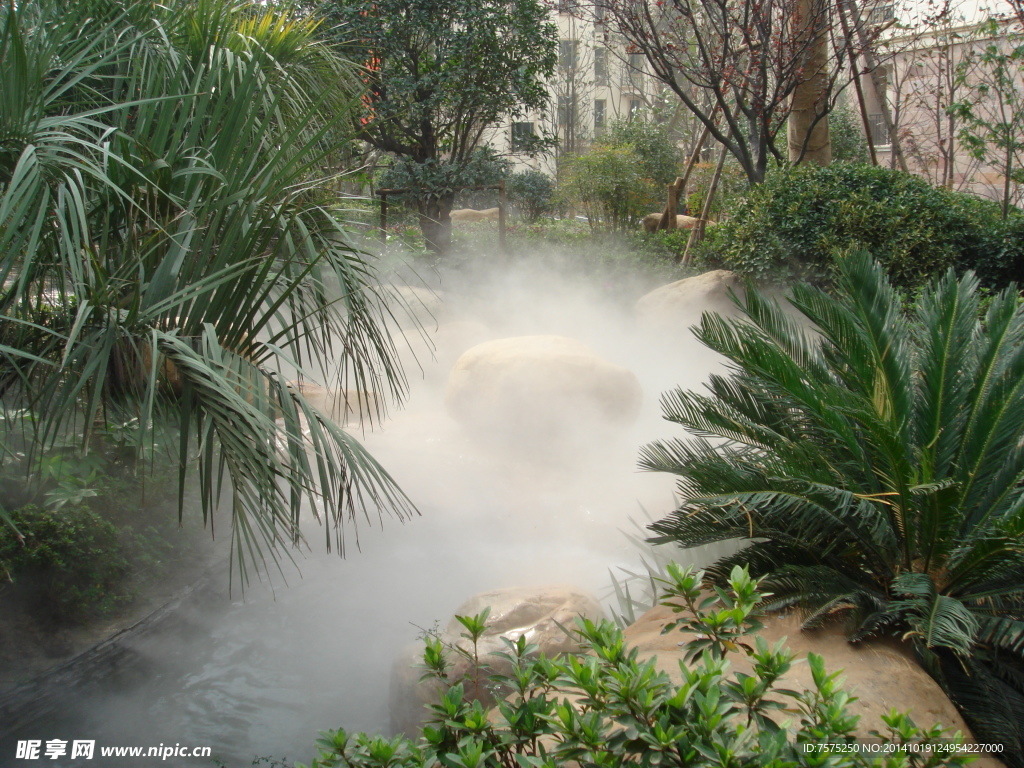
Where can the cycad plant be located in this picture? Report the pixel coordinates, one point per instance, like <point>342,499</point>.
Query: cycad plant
<point>170,255</point>
<point>873,457</point>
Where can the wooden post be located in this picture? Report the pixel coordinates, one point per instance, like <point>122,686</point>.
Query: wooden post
<point>502,203</point>
<point>668,217</point>
<point>384,217</point>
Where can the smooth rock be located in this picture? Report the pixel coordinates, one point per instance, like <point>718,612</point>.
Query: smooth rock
<point>538,613</point>
<point>352,406</point>
<point>539,387</point>
<point>882,674</point>
<point>415,307</point>
<point>678,305</point>
<point>470,214</point>
<point>650,222</point>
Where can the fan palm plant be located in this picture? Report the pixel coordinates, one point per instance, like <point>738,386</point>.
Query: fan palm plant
<point>169,253</point>
<point>874,460</point>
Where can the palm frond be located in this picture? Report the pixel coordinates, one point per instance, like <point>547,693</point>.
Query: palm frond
<point>167,182</point>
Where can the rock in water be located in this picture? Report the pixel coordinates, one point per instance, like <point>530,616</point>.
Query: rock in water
<point>678,305</point>
<point>535,612</point>
<point>539,388</point>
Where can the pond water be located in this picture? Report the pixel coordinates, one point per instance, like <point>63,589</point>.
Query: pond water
<point>260,675</point>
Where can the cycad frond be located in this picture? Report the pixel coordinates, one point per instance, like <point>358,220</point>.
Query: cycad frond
<point>877,466</point>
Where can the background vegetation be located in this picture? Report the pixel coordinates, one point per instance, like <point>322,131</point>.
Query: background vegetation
<point>801,220</point>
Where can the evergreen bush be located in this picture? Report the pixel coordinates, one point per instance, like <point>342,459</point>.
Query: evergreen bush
<point>70,560</point>
<point>531,193</point>
<point>797,222</point>
<point>609,708</point>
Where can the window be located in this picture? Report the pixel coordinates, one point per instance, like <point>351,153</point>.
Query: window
<point>635,105</point>
<point>881,13</point>
<point>600,11</point>
<point>522,136</point>
<point>599,108</point>
<point>879,132</point>
<point>600,66</point>
<point>567,54</point>
<point>567,6</point>
<point>636,61</point>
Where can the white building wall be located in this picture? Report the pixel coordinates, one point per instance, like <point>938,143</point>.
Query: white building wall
<point>597,82</point>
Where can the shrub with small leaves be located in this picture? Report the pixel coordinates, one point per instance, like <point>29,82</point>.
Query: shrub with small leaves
<point>531,193</point>
<point>71,558</point>
<point>801,220</point>
<point>610,708</point>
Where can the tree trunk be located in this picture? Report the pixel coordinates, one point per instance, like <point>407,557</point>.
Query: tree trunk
<point>668,216</point>
<point>436,222</point>
<point>871,65</point>
<point>808,122</point>
<point>697,233</point>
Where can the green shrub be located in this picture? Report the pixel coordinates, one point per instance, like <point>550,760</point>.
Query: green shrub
<point>846,133</point>
<point>669,244</point>
<point>531,193</point>
<point>998,255</point>
<point>608,185</point>
<point>800,219</point>
<point>623,176</point>
<point>610,709</point>
<point>70,559</point>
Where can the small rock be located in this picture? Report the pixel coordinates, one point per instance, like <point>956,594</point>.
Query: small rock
<point>539,613</point>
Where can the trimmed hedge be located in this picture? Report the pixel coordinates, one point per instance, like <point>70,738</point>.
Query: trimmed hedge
<point>794,224</point>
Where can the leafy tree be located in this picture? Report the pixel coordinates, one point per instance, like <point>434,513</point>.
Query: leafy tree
<point>168,252</point>
<point>608,708</point>
<point>484,167</point>
<point>437,76</point>
<point>659,155</point>
<point>993,113</point>
<point>737,68</point>
<point>876,468</point>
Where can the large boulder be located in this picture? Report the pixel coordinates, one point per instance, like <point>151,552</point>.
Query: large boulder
<point>651,221</point>
<point>538,613</point>
<point>469,214</point>
<point>540,388</point>
<point>881,674</point>
<point>678,305</point>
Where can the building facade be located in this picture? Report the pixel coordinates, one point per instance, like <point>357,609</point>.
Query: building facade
<point>597,82</point>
